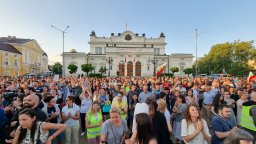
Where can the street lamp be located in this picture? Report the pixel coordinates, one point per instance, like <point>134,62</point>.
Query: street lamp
<point>154,61</point>
<point>109,60</point>
<point>197,34</point>
<point>63,34</point>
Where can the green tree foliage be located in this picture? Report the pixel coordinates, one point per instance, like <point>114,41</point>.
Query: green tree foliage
<point>188,71</point>
<point>57,68</point>
<point>229,57</point>
<point>103,70</point>
<point>72,68</point>
<point>87,68</point>
<point>174,69</point>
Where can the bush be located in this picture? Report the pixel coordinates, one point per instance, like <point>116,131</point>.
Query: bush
<point>166,75</point>
<point>98,75</point>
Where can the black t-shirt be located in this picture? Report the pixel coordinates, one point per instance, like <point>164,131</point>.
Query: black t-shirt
<point>50,110</point>
<point>41,116</point>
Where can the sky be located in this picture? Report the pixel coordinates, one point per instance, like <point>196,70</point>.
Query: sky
<point>217,21</point>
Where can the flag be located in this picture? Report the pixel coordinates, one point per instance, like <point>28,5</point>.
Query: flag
<point>251,76</point>
<point>161,69</point>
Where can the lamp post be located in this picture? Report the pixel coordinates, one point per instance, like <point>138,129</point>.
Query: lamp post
<point>63,34</point>
<point>109,61</point>
<point>154,61</point>
<point>197,34</point>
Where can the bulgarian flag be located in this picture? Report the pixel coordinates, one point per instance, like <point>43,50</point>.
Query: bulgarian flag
<point>161,69</point>
<point>251,77</point>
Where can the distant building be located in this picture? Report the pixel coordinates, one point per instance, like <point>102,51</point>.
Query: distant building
<point>129,54</point>
<point>21,56</point>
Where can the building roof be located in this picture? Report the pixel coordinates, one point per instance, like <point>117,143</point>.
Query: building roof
<point>14,40</point>
<point>45,54</point>
<point>8,48</point>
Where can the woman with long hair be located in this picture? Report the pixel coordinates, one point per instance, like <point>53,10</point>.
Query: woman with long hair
<point>93,123</point>
<point>159,123</point>
<point>194,129</point>
<point>190,98</point>
<point>178,115</point>
<point>132,105</point>
<point>163,109</point>
<point>33,131</point>
<point>217,101</point>
<point>145,133</point>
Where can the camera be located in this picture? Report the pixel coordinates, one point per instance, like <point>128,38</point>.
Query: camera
<point>9,96</point>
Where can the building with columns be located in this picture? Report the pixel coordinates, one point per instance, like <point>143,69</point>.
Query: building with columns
<point>128,54</point>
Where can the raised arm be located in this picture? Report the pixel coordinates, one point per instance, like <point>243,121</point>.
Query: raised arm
<point>59,127</point>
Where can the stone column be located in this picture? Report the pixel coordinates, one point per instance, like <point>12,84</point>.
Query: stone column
<point>134,63</point>
<point>125,69</point>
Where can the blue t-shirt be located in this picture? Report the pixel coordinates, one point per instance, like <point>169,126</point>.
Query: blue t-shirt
<point>220,125</point>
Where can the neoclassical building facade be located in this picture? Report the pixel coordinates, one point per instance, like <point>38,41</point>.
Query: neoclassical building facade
<point>128,54</point>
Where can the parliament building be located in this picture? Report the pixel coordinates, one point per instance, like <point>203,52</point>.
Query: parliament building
<point>128,54</point>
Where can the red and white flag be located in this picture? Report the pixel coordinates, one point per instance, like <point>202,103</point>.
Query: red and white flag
<point>161,69</point>
<point>251,77</point>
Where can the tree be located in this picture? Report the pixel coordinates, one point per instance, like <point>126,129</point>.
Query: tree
<point>103,70</point>
<point>87,68</point>
<point>72,68</point>
<point>188,71</point>
<point>174,69</point>
<point>57,68</point>
<point>232,58</point>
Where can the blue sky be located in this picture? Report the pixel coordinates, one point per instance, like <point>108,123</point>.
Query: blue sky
<point>222,20</point>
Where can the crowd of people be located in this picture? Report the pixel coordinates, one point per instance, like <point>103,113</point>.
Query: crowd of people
<point>118,110</point>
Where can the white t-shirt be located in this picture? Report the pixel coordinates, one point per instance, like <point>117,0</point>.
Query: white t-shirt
<point>190,129</point>
<point>139,108</point>
<point>73,110</point>
<point>86,103</point>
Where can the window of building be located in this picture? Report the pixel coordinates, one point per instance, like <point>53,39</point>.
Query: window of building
<point>98,50</point>
<point>7,73</point>
<point>6,60</point>
<point>16,63</point>
<point>157,51</point>
<point>181,68</point>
